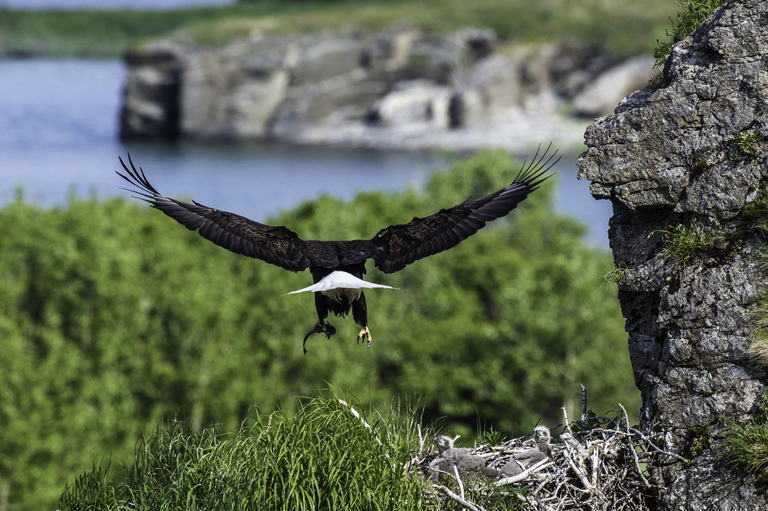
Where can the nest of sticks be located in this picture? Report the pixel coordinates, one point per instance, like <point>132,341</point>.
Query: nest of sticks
<point>596,463</point>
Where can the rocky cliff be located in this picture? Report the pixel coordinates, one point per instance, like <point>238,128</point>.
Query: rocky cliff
<point>399,88</point>
<point>679,161</point>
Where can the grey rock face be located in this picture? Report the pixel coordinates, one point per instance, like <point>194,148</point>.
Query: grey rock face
<point>234,94</point>
<point>601,95</point>
<point>151,95</point>
<point>413,103</point>
<point>669,156</point>
<point>398,88</point>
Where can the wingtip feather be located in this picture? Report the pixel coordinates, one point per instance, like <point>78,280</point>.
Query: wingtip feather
<point>534,172</point>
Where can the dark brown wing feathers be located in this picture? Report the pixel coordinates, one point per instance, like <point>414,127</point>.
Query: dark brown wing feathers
<point>392,248</point>
<point>276,245</point>
<point>400,245</point>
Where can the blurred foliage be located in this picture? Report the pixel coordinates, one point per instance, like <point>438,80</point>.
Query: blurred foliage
<point>112,317</point>
<point>626,27</point>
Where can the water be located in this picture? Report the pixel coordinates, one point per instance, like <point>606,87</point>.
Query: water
<point>59,137</point>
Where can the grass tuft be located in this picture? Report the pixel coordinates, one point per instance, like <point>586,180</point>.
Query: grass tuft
<point>748,143</point>
<point>690,15</point>
<point>618,274</point>
<point>324,456</point>
<point>756,214</point>
<point>758,347</point>
<point>683,243</point>
<point>490,435</point>
<point>747,445</point>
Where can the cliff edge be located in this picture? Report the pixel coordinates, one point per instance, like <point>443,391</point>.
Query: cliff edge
<point>679,161</point>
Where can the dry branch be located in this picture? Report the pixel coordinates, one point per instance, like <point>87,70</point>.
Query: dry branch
<point>523,475</point>
<point>460,500</point>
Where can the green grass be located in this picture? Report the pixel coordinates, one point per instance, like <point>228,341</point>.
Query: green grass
<point>618,274</point>
<point>748,143</point>
<point>683,243</point>
<point>756,216</point>
<point>324,456</point>
<point>623,27</point>
<point>758,348</point>
<point>756,212</point>
<point>691,14</point>
<point>747,445</point>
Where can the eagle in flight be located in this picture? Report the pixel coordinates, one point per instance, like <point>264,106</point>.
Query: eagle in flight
<point>337,267</point>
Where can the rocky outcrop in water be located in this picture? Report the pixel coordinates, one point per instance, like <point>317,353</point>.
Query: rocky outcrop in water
<point>150,107</point>
<point>691,151</point>
<point>399,88</point>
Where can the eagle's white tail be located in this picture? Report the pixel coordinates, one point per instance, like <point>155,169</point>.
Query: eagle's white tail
<point>340,280</point>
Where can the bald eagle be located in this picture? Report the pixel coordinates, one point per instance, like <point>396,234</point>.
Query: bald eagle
<point>337,267</point>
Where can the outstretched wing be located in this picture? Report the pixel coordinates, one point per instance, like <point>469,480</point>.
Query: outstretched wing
<point>276,245</point>
<point>399,245</point>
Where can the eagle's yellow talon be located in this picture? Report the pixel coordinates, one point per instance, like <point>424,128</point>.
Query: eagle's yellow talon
<point>364,332</point>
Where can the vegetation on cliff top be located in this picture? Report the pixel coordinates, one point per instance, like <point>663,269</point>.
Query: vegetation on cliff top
<point>691,14</point>
<point>624,27</point>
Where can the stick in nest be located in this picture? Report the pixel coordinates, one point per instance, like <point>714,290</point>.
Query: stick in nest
<point>464,502</point>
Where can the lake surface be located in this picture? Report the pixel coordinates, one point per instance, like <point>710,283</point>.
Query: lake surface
<point>59,136</point>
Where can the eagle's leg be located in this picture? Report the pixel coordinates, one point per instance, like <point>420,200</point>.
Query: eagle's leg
<point>360,313</point>
<point>322,326</point>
